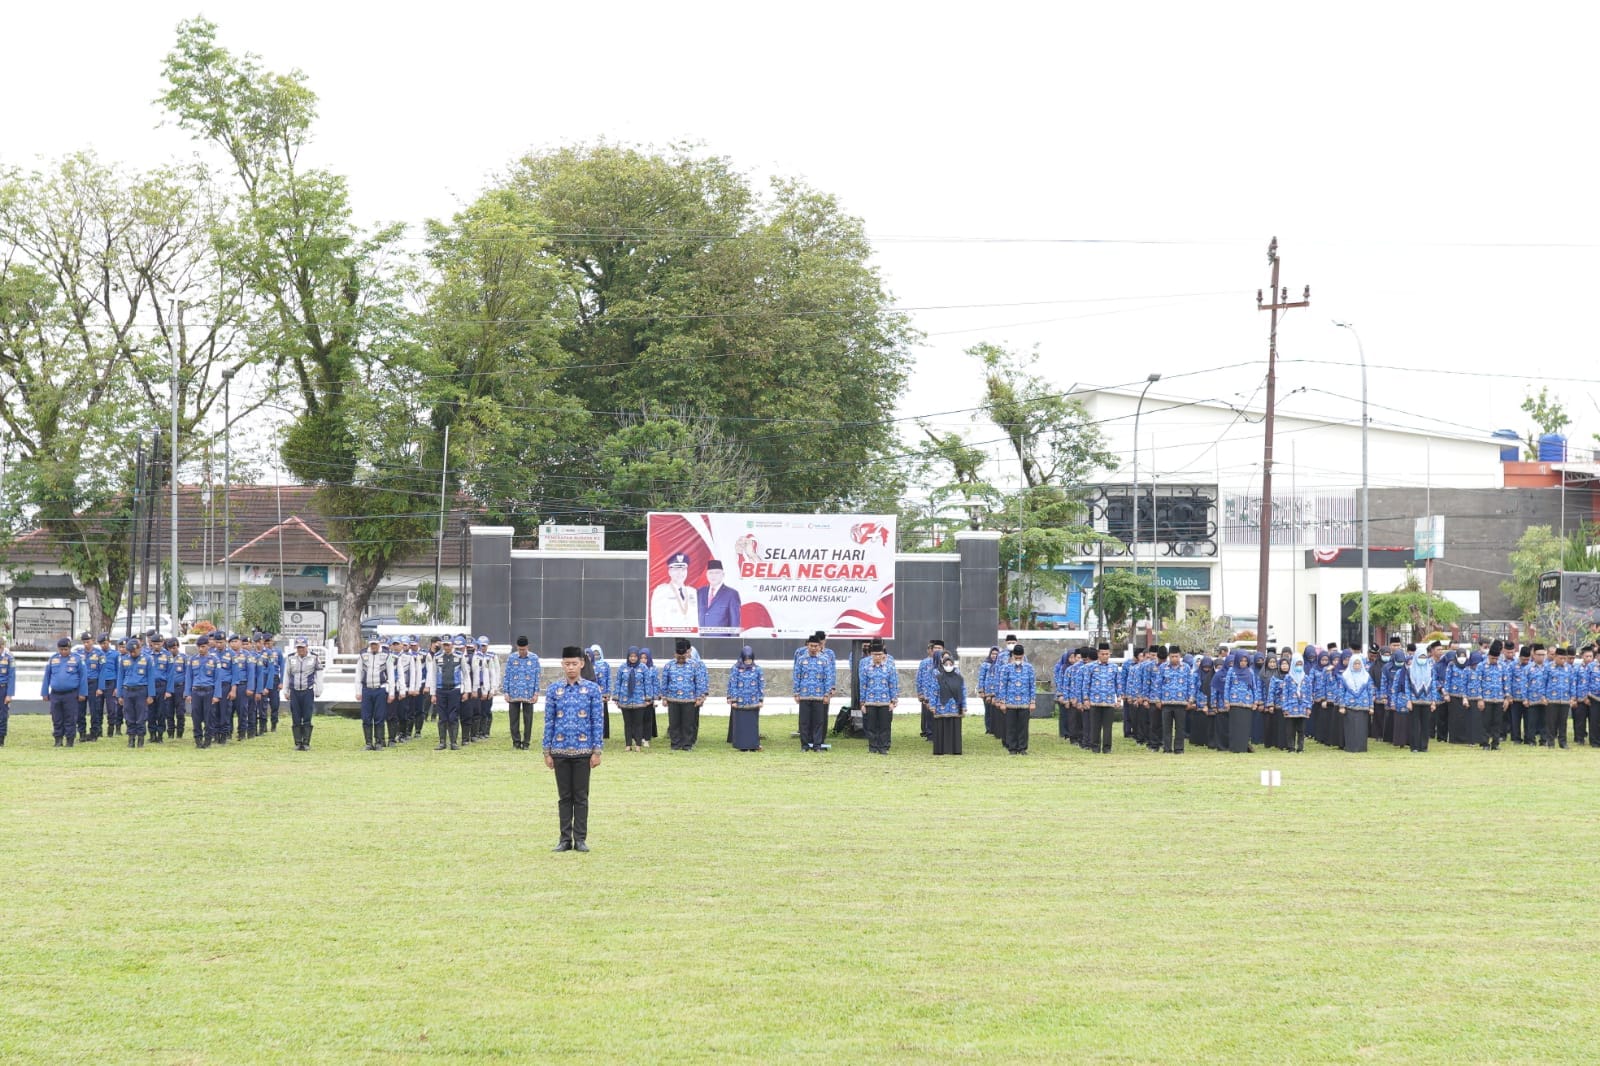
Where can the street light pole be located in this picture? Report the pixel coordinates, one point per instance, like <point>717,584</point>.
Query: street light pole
<point>1366,595</point>
<point>1138,408</point>
<point>227,481</point>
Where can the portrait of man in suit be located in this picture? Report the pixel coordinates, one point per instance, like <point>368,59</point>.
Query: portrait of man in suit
<point>718,603</point>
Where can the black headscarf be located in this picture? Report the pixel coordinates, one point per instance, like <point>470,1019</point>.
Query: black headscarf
<point>951,685</point>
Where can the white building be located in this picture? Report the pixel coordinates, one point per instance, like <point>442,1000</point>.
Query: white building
<point>1199,465</point>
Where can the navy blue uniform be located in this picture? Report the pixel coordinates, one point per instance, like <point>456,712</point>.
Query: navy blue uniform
<point>66,681</point>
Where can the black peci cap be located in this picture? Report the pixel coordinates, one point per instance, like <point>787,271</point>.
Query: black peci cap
<point>571,651</point>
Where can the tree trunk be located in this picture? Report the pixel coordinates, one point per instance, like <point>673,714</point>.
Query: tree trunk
<point>360,582</point>
<point>97,607</point>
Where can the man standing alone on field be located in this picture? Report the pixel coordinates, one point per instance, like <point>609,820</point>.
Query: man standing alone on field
<point>574,710</point>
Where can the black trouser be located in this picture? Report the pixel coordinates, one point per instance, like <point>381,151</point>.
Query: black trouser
<point>1172,715</point>
<point>521,717</point>
<point>135,709</point>
<point>113,707</point>
<point>1516,715</point>
<point>572,786</point>
<point>1421,725</point>
<point>633,731</point>
<point>97,711</point>
<point>1555,723</point>
<point>878,721</point>
<point>449,706</point>
<point>683,724</point>
<point>64,714</point>
<point>1100,719</point>
<point>272,702</point>
<point>1017,721</point>
<point>302,704</point>
<point>813,723</point>
<point>927,722</point>
<point>1533,729</point>
<point>1493,720</point>
<point>1580,721</point>
<point>1296,739</point>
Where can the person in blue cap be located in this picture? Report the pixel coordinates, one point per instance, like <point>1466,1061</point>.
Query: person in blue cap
<point>65,682</point>
<point>135,673</point>
<point>107,685</point>
<point>447,680</point>
<point>302,677</point>
<point>399,672</point>
<point>375,682</point>
<point>274,664</point>
<point>91,721</point>
<point>200,688</point>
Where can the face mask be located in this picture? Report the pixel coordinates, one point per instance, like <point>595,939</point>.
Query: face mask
<point>1383,658</point>
<point>949,667</point>
<point>1461,660</point>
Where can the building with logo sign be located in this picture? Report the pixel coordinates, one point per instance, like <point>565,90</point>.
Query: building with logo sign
<point>1195,512</point>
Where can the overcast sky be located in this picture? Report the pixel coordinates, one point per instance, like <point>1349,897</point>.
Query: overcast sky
<point>1099,179</point>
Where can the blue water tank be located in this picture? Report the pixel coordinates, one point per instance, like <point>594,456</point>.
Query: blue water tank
<point>1509,453</point>
<point>1553,448</point>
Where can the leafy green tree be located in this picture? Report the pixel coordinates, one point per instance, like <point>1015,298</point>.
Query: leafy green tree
<point>324,303</point>
<point>1539,550</point>
<point>1120,595</point>
<point>108,277</point>
<point>1198,632</point>
<point>260,609</point>
<point>683,289</point>
<point>656,460</point>
<point>1408,605</point>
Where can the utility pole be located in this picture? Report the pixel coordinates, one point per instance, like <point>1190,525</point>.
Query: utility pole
<point>1279,302</point>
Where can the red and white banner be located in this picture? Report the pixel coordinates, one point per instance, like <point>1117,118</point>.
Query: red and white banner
<point>771,575</point>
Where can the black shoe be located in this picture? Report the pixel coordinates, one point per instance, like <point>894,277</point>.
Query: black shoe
<point>58,742</point>
<point>580,846</point>
<point>69,742</point>
<point>565,845</point>
<point>454,746</point>
<point>369,747</point>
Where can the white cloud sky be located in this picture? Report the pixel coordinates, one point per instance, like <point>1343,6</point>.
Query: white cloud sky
<point>1428,168</point>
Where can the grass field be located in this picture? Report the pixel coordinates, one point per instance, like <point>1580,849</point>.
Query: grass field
<point>254,904</point>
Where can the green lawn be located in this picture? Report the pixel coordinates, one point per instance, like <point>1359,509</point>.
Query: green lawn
<point>254,904</point>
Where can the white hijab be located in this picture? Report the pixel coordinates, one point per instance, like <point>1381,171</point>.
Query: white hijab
<point>1351,674</point>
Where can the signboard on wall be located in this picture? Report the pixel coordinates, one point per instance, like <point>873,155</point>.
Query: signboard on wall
<point>313,625</point>
<point>554,538</point>
<point>38,628</point>
<point>1429,540</point>
<point>770,575</point>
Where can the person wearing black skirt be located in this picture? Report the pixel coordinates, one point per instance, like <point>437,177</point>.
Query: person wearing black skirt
<point>1355,703</point>
<point>747,691</point>
<point>949,707</point>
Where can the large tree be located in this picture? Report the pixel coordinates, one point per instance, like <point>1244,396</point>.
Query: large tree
<point>324,303</point>
<point>683,289</point>
<point>109,282</point>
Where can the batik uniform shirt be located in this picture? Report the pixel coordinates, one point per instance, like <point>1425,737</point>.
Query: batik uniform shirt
<point>574,718</point>
<point>1460,680</point>
<point>634,686</point>
<point>814,676</point>
<point>1148,680</point>
<point>879,684</point>
<point>927,684</point>
<point>1292,697</point>
<point>1200,693</point>
<point>1535,681</point>
<point>746,688</point>
<point>685,682</point>
<point>1360,699</point>
<point>953,707</point>
<point>1102,684</point>
<point>1174,684</point>
<point>521,677</point>
<point>8,674</point>
<point>1561,684</point>
<point>1494,681</point>
<point>1016,684</point>
<point>1240,688</point>
<point>602,674</point>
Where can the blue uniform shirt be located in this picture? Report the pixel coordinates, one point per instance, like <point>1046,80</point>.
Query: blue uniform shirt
<point>684,682</point>
<point>65,672</point>
<point>574,718</point>
<point>1015,684</point>
<point>8,674</point>
<point>136,670</point>
<point>1173,684</point>
<point>634,686</point>
<point>521,677</point>
<point>879,684</point>
<point>1102,684</point>
<point>814,675</point>
<point>746,688</point>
